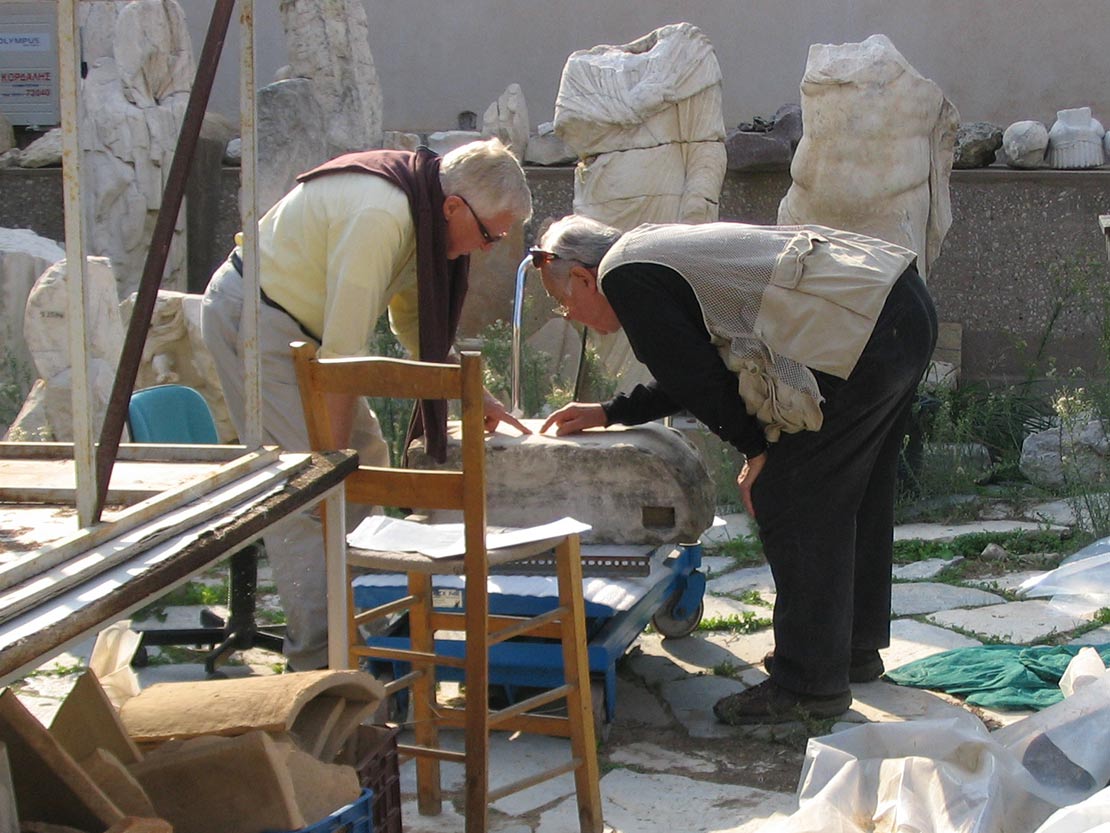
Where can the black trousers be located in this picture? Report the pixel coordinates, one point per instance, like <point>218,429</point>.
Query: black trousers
<point>824,502</point>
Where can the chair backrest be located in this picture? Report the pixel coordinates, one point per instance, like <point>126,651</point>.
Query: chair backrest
<point>171,414</point>
<point>460,489</point>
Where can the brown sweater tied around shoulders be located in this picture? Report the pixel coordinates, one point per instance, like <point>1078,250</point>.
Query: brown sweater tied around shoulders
<point>440,283</point>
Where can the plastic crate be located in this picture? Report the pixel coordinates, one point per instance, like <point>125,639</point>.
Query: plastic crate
<point>373,754</point>
<point>354,818</point>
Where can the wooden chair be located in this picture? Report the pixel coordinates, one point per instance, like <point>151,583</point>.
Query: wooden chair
<point>454,490</point>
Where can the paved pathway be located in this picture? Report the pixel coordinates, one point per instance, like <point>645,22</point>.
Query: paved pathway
<point>667,764</point>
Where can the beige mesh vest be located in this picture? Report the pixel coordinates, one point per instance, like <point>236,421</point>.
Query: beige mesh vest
<point>777,301</point>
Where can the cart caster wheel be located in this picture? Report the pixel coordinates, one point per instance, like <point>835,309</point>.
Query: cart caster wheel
<point>603,723</point>
<point>672,628</point>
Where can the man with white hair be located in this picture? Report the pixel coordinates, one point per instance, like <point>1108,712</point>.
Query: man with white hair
<point>364,233</point>
<point>802,346</point>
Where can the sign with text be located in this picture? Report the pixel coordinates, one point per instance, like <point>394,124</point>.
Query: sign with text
<point>29,64</point>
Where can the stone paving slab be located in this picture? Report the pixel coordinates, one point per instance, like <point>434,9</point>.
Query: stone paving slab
<point>635,802</point>
<point>917,597</point>
<point>1006,582</point>
<point>946,532</point>
<point>911,640</point>
<point>1099,636</point>
<point>746,578</point>
<point>1019,623</point>
<point>925,569</point>
<point>638,707</point>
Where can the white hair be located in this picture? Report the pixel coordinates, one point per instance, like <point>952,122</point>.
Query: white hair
<point>577,239</point>
<point>488,177</point>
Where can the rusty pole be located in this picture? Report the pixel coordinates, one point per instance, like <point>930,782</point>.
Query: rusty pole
<point>159,250</point>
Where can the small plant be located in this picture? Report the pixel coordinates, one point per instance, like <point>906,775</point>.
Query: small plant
<point>725,669</point>
<point>746,622</point>
<point>745,551</point>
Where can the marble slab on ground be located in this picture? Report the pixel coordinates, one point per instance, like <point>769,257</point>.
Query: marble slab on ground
<point>917,597</point>
<point>1020,623</point>
<point>882,702</point>
<point>925,569</point>
<point>946,532</point>
<point>715,565</point>
<point>661,660</point>
<point>654,758</point>
<point>691,701</point>
<point>739,581</point>
<point>1099,636</point>
<point>634,802</point>
<point>1008,581</point>
<point>638,707</point>
<point>911,640</point>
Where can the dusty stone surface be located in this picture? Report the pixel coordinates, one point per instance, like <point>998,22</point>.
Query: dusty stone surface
<point>1024,144</point>
<point>48,411</point>
<point>877,148</point>
<point>507,119</point>
<point>650,105</point>
<point>646,484</point>
<point>328,44</point>
<point>291,136</point>
<point>135,103</point>
<point>24,256</point>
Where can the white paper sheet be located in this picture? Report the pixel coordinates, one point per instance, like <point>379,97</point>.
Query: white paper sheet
<point>446,540</point>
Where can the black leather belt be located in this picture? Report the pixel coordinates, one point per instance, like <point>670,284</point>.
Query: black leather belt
<point>237,262</point>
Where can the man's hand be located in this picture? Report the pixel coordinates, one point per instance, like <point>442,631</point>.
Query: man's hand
<point>575,417</point>
<point>495,413</point>
<point>746,479</point>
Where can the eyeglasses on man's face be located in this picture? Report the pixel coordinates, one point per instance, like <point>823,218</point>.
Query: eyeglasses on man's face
<point>486,236</point>
<point>541,258</point>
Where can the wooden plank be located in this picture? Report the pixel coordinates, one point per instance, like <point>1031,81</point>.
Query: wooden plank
<point>36,635</point>
<point>169,452</point>
<point>49,557</point>
<point>43,585</point>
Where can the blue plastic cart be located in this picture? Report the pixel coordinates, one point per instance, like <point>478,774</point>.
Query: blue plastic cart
<point>669,596</point>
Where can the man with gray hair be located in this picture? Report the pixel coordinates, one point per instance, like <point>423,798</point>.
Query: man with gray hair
<point>364,233</point>
<point>802,346</point>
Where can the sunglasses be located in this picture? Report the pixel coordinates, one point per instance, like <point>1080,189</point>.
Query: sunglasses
<point>540,258</point>
<point>489,238</point>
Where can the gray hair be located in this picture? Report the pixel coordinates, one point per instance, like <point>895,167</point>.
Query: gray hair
<point>488,177</point>
<point>578,239</point>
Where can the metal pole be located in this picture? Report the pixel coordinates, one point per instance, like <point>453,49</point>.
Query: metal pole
<point>69,57</point>
<point>160,242</point>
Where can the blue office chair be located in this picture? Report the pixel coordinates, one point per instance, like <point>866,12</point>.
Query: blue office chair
<point>178,414</point>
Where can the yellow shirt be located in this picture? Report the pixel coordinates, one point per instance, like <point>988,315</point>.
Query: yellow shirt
<point>335,252</point>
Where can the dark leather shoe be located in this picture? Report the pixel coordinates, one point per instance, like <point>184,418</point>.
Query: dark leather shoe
<point>769,703</point>
<point>866,666</point>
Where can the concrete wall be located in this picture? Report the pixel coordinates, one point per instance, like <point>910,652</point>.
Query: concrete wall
<point>1016,237</point>
<point>997,60</point>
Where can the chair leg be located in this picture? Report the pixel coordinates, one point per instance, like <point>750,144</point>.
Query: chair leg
<point>425,731</point>
<point>477,703</point>
<point>577,672</point>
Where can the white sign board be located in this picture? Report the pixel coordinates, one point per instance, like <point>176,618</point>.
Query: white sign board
<point>29,63</point>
